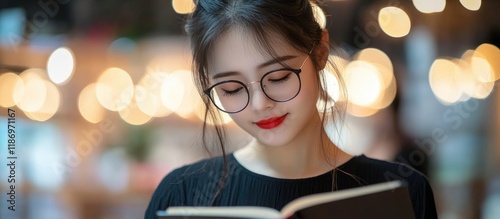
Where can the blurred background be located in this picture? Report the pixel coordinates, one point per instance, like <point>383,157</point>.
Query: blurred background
<point>100,97</point>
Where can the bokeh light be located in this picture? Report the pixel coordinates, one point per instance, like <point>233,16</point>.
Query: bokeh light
<point>11,89</point>
<point>61,65</point>
<point>470,83</point>
<point>133,115</point>
<point>446,78</point>
<point>50,105</point>
<point>478,75</point>
<point>394,21</point>
<point>172,92</point>
<point>472,5</point>
<point>471,86</point>
<point>114,89</point>
<point>491,53</point>
<point>363,83</point>
<point>370,82</point>
<point>481,68</point>
<point>88,105</point>
<point>429,6</point>
<point>191,98</point>
<point>148,94</point>
<point>183,6</point>
<point>35,90</point>
<point>375,56</point>
<point>387,96</point>
<point>381,61</point>
<point>146,100</point>
<point>383,64</point>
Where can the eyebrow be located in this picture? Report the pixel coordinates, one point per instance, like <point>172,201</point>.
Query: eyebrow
<point>265,64</point>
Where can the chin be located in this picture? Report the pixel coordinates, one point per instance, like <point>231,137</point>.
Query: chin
<point>274,137</point>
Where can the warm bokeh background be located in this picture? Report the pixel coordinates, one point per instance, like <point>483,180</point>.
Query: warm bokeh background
<point>105,107</point>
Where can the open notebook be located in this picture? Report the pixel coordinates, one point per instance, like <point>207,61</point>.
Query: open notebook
<point>384,200</point>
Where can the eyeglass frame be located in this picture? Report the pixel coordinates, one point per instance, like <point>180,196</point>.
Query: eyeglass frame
<point>262,87</point>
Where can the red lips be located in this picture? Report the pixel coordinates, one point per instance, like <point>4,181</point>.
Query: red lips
<point>271,122</point>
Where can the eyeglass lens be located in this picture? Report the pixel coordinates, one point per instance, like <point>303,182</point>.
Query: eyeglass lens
<point>233,96</point>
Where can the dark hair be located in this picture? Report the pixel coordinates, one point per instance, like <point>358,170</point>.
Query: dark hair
<point>293,20</point>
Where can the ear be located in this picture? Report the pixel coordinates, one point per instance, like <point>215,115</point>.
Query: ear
<point>322,50</point>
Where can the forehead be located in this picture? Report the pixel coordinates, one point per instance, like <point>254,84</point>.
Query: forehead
<point>238,49</point>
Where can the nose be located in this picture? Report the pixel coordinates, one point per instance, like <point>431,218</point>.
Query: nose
<point>258,99</point>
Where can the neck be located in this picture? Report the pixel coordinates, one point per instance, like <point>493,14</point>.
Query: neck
<point>301,158</point>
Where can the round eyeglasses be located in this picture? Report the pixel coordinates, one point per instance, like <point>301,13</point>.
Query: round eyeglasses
<point>280,85</point>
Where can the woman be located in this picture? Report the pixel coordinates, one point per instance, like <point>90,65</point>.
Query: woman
<point>261,62</point>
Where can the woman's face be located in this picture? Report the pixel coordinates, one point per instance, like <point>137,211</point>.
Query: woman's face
<point>236,56</point>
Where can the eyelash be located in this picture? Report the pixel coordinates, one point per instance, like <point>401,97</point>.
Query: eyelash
<point>232,92</point>
<point>282,79</point>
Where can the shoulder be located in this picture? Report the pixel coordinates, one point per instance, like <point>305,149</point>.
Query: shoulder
<point>380,170</point>
<point>176,187</point>
<point>375,171</point>
<point>371,171</point>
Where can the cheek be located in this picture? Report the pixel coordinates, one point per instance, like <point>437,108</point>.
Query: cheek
<point>240,118</point>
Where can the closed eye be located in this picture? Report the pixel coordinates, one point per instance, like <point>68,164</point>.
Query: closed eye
<point>280,79</point>
<point>232,92</point>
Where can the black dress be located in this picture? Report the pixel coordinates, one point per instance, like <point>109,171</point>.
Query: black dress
<point>195,185</point>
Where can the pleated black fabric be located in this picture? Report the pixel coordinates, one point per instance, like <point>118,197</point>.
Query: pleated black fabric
<point>196,184</point>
